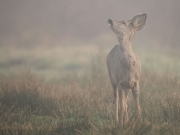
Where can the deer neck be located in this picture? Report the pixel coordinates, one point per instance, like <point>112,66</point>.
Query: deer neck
<point>125,45</point>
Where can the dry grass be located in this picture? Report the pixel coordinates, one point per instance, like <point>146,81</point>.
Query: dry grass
<point>77,105</point>
<point>80,101</point>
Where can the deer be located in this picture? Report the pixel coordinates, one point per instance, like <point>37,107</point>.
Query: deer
<point>124,67</point>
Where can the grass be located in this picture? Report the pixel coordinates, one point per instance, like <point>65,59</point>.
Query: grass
<point>77,103</point>
<point>55,60</point>
<point>30,105</point>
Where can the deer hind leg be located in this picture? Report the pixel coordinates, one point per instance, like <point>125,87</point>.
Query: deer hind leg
<point>116,105</point>
<point>135,92</point>
<point>115,93</point>
<point>122,104</point>
<point>116,101</point>
<point>126,92</point>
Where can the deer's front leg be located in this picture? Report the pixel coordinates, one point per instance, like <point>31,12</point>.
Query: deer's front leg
<point>135,92</point>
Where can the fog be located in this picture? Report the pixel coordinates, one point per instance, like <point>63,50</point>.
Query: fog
<point>45,22</point>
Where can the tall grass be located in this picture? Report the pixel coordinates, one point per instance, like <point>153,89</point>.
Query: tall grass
<point>77,105</point>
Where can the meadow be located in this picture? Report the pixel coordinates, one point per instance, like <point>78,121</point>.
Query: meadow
<point>67,91</point>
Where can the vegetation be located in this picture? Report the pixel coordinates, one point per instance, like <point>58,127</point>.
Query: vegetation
<point>73,104</point>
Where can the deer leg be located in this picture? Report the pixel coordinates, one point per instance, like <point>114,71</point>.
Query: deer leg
<point>115,94</point>
<point>135,92</point>
<point>126,92</point>
<point>115,101</point>
<point>122,104</point>
<point>116,104</point>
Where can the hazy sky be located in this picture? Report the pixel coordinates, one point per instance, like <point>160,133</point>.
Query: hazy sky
<point>38,22</point>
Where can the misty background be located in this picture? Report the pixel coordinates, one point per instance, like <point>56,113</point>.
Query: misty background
<point>58,22</point>
<point>58,36</point>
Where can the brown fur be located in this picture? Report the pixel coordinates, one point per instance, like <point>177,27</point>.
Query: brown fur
<point>124,67</point>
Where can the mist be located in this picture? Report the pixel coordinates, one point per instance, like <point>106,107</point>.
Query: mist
<point>48,23</point>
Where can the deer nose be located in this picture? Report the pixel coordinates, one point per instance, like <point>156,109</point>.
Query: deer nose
<point>110,21</point>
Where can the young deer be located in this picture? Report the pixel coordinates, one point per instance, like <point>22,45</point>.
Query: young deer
<point>123,65</point>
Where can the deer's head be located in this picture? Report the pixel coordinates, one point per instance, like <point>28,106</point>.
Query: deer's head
<point>125,29</point>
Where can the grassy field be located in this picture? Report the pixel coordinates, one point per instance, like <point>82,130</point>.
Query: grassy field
<point>55,60</point>
<point>66,91</point>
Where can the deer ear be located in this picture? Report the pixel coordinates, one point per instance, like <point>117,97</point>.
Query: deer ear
<point>138,21</point>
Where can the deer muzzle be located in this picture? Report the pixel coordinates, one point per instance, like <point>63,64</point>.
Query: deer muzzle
<point>110,22</point>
